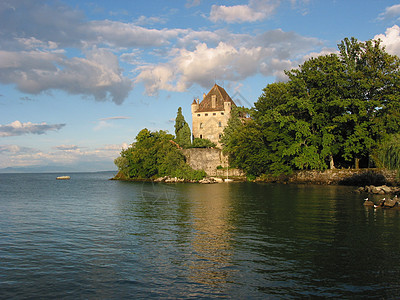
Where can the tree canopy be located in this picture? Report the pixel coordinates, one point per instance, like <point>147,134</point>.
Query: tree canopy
<point>333,111</point>
<point>154,155</point>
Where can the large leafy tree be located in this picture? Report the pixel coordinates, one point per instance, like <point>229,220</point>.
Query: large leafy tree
<point>182,130</point>
<point>372,95</point>
<point>334,109</point>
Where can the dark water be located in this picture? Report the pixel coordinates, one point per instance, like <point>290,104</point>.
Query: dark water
<point>92,238</point>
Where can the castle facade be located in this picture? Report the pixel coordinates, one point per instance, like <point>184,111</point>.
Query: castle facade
<point>211,115</point>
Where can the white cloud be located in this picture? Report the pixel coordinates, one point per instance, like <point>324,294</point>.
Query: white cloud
<point>98,74</point>
<point>115,118</point>
<point>143,20</point>
<point>63,155</point>
<point>15,149</point>
<point>256,10</point>
<point>104,122</point>
<point>232,60</point>
<point>36,55</point>
<point>192,3</point>
<point>17,128</point>
<point>390,12</point>
<point>66,147</point>
<point>118,34</point>
<point>391,40</point>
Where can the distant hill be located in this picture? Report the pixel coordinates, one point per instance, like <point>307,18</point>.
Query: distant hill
<point>54,169</point>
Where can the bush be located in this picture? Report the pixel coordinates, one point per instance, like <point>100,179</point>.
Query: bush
<point>202,143</point>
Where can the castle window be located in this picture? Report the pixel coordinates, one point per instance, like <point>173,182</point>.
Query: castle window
<point>214,114</point>
<point>198,115</point>
<point>206,115</point>
<point>220,135</point>
<point>219,124</point>
<point>201,136</point>
<point>222,113</point>
<point>201,125</point>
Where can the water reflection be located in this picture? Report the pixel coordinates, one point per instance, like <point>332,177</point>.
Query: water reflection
<point>253,240</point>
<point>211,259</point>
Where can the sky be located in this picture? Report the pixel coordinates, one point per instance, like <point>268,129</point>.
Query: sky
<point>79,79</point>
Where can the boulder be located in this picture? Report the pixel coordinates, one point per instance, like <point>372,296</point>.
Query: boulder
<point>207,180</point>
<point>217,179</point>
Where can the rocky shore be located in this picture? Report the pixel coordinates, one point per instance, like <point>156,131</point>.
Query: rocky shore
<point>379,190</point>
<point>206,180</point>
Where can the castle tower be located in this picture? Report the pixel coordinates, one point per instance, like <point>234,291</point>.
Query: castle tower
<point>211,115</point>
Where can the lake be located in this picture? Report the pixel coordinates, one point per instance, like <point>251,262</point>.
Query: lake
<point>92,238</point>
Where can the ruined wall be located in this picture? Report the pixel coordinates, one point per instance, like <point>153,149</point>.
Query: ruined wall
<point>208,159</point>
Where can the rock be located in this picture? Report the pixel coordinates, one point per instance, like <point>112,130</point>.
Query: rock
<point>360,190</point>
<point>161,179</point>
<point>386,189</point>
<point>368,202</point>
<point>216,179</point>
<point>207,180</point>
<point>390,203</point>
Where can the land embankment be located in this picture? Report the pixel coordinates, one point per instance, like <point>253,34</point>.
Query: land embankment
<point>355,177</point>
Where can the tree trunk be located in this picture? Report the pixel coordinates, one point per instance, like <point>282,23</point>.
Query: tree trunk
<point>331,163</point>
<point>357,163</point>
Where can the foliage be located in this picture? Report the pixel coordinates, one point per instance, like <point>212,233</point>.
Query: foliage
<point>334,110</point>
<point>182,131</point>
<point>387,154</point>
<point>154,155</point>
<point>202,143</point>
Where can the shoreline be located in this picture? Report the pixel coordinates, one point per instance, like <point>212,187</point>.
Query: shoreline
<point>345,177</point>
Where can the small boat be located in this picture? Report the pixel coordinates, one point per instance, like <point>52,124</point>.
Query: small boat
<point>63,177</point>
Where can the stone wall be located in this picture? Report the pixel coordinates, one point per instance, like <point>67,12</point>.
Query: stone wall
<point>209,159</point>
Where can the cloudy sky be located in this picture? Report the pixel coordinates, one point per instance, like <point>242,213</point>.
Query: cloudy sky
<point>79,79</point>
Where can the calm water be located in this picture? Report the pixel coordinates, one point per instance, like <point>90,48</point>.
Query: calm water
<point>93,238</point>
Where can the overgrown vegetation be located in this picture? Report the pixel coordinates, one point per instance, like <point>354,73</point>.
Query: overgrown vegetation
<point>154,155</point>
<point>387,155</point>
<point>202,143</point>
<point>335,111</point>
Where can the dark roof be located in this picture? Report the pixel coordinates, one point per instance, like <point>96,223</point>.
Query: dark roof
<point>221,97</point>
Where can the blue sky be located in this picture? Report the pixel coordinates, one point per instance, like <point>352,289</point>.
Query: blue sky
<point>80,79</point>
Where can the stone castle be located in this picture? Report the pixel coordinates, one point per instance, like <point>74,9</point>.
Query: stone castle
<point>210,116</point>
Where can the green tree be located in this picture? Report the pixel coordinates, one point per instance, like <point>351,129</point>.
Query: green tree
<point>333,110</point>
<point>372,93</point>
<point>154,155</point>
<point>314,104</point>
<point>182,130</point>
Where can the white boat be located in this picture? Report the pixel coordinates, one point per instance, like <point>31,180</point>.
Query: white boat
<point>63,177</point>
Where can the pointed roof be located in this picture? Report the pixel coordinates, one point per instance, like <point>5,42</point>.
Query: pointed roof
<point>221,97</point>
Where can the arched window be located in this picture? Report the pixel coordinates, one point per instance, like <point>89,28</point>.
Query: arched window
<point>219,124</point>
<point>201,125</point>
